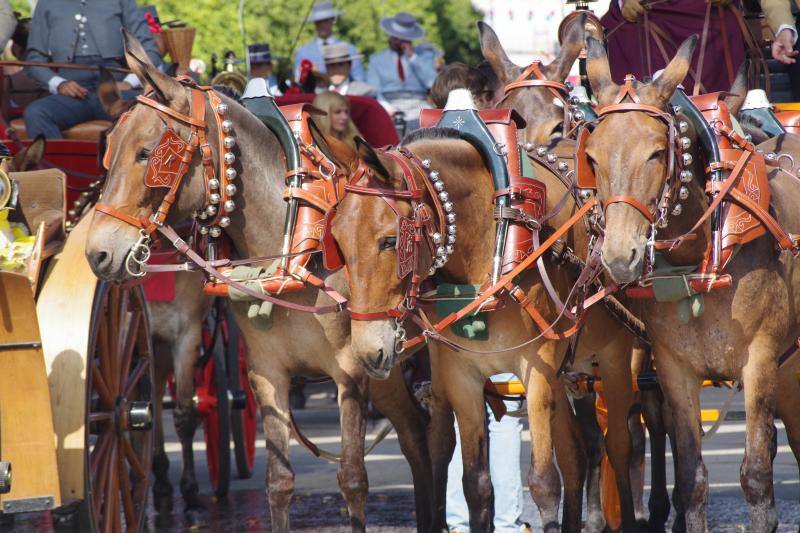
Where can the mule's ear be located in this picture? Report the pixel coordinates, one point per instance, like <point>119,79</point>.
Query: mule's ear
<point>109,94</point>
<point>30,156</point>
<point>598,69</point>
<point>494,53</point>
<point>334,149</point>
<point>169,91</point>
<point>739,88</point>
<point>676,71</point>
<point>371,158</point>
<point>571,46</point>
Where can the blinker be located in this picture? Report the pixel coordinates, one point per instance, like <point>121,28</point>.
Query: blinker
<point>166,161</point>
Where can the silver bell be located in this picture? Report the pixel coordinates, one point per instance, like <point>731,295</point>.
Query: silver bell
<point>541,151</point>
<point>448,206</point>
<point>686,176</point>
<point>443,196</point>
<point>585,194</point>
<point>663,223</point>
<point>436,237</point>
<point>229,142</point>
<point>203,230</point>
<point>231,173</point>
<point>451,218</point>
<point>211,210</point>
<point>451,229</point>
<point>222,109</point>
<point>683,193</point>
<point>426,163</point>
<point>562,166</point>
<point>215,231</point>
<point>229,157</point>
<point>683,126</point>
<point>677,210</point>
<point>213,184</point>
<point>451,239</point>
<point>552,158</point>
<point>578,115</point>
<point>229,206</point>
<point>686,159</point>
<point>770,156</point>
<point>202,215</point>
<point>450,249</point>
<point>226,126</point>
<point>439,186</point>
<point>230,189</point>
<point>440,251</point>
<point>434,176</point>
<point>432,270</point>
<point>224,222</point>
<point>213,198</point>
<point>677,109</point>
<point>440,261</point>
<point>686,142</point>
<point>528,146</point>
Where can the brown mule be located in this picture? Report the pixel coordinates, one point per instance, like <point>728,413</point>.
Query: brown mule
<point>296,342</point>
<point>743,329</point>
<point>365,228</point>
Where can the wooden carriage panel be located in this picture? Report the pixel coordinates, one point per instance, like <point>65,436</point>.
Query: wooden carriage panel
<point>26,429</point>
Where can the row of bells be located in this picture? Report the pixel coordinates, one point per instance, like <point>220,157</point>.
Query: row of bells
<point>445,244</point>
<point>214,195</point>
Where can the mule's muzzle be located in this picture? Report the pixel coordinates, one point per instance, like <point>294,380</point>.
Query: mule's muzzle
<point>624,262</point>
<point>380,366</point>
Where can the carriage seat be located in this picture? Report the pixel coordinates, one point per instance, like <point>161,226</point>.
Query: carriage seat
<point>85,131</point>
<point>42,199</point>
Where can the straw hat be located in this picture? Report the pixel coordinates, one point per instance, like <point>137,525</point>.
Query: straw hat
<point>323,11</point>
<point>338,53</point>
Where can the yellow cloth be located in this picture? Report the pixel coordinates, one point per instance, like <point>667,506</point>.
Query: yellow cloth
<point>778,13</point>
<point>16,244</point>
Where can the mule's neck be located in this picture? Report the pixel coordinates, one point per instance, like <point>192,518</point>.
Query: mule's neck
<point>469,184</point>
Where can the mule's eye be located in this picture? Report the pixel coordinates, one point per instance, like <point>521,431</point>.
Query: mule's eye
<point>655,156</point>
<point>557,132</point>
<point>143,154</point>
<point>387,243</point>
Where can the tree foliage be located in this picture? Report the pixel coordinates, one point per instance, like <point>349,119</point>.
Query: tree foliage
<point>449,24</point>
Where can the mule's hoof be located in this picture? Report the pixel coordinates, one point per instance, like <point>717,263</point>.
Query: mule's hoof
<point>162,503</point>
<point>595,524</point>
<point>195,518</point>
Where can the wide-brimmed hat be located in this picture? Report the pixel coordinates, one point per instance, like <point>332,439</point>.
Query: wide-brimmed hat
<point>403,26</point>
<point>338,53</point>
<point>323,11</point>
<point>260,53</point>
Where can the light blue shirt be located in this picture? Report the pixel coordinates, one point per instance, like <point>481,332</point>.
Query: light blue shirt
<point>419,71</point>
<point>313,52</point>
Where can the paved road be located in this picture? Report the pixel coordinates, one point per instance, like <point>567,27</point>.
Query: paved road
<point>318,507</point>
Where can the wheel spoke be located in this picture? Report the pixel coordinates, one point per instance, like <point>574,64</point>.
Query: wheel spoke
<point>99,490</point>
<point>100,449</point>
<point>133,460</point>
<point>104,349</point>
<point>110,506</point>
<point>139,371</point>
<point>113,322</point>
<point>99,385</point>
<point>131,517</point>
<point>129,344</point>
<point>104,416</point>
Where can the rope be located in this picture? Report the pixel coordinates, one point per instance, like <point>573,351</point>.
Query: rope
<point>723,413</point>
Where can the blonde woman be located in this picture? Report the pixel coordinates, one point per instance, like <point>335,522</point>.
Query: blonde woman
<point>337,122</point>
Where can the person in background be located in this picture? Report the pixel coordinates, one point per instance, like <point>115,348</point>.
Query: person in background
<point>84,33</point>
<point>402,73</point>
<point>8,23</point>
<point>260,65</point>
<point>324,16</point>
<point>780,20</point>
<point>337,123</point>
<point>505,435</point>
<point>338,65</point>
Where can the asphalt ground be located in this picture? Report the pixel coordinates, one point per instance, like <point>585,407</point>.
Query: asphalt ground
<point>317,505</point>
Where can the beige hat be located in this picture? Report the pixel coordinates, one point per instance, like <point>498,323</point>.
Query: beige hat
<point>338,53</point>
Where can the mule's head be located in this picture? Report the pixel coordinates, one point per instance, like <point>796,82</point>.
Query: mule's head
<point>129,146</point>
<point>542,109</point>
<point>366,229</point>
<point>629,153</point>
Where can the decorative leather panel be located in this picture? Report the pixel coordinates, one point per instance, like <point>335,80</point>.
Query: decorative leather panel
<point>166,160</point>
<point>740,226</point>
<point>584,173</point>
<point>790,120</point>
<point>406,251</point>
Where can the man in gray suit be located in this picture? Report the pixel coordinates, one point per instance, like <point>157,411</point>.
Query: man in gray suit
<point>84,32</point>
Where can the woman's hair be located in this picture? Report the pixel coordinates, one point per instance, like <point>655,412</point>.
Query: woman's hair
<point>457,76</point>
<point>329,102</point>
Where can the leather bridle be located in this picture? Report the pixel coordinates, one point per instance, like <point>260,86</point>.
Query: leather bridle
<point>533,76</point>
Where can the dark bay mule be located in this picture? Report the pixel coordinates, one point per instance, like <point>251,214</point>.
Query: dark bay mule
<point>296,342</point>
<point>366,228</point>
<point>743,329</point>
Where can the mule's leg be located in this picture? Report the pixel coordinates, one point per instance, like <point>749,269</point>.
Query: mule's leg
<point>352,473</point>
<point>441,439</point>
<point>617,384</point>
<point>786,404</point>
<point>392,398</point>
<point>658,504</point>
<point>571,457</point>
<point>162,488</point>
<point>682,392</point>
<point>595,448</point>
<point>638,445</point>
<point>272,395</point>
<point>759,379</point>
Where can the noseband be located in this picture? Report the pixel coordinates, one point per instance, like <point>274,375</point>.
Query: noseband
<point>533,76</point>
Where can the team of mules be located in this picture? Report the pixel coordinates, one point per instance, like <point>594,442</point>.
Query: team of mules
<point>757,312</point>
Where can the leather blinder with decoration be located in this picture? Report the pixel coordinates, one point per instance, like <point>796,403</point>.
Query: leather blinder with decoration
<point>584,173</point>
<point>406,248</point>
<point>167,160</point>
<point>332,257</point>
<point>105,144</point>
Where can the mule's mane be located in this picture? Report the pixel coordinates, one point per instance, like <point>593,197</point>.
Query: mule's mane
<point>425,134</point>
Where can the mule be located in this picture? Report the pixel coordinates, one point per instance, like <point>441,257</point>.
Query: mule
<point>297,342</point>
<point>743,329</point>
<point>366,229</point>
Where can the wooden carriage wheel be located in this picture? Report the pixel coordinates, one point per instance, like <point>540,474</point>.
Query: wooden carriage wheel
<point>119,436</point>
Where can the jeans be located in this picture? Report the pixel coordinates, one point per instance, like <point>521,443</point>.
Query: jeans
<point>51,115</point>
<point>504,469</point>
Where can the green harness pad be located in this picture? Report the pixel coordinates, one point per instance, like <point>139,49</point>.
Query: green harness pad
<point>474,327</point>
<point>259,312</point>
<point>674,287</point>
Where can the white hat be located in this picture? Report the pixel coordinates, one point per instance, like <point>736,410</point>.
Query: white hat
<point>338,53</point>
<point>323,11</point>
<point>403,26</point>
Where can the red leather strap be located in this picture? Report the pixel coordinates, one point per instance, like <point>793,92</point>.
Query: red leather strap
<point>785,240</point>
<point>379,315</point>
<point>142,222</point>
<point>633,202</point>
<point>161,108</point>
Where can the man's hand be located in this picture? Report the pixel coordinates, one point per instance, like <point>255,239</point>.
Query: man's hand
<point>73,89</point>
<point>408,49</point>
<point>633,10</point>
<point>783,47</point>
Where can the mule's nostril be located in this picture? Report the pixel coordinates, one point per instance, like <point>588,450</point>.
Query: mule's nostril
<point>634,258</point>
<point>101,260</point>
<point>379,361</point>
